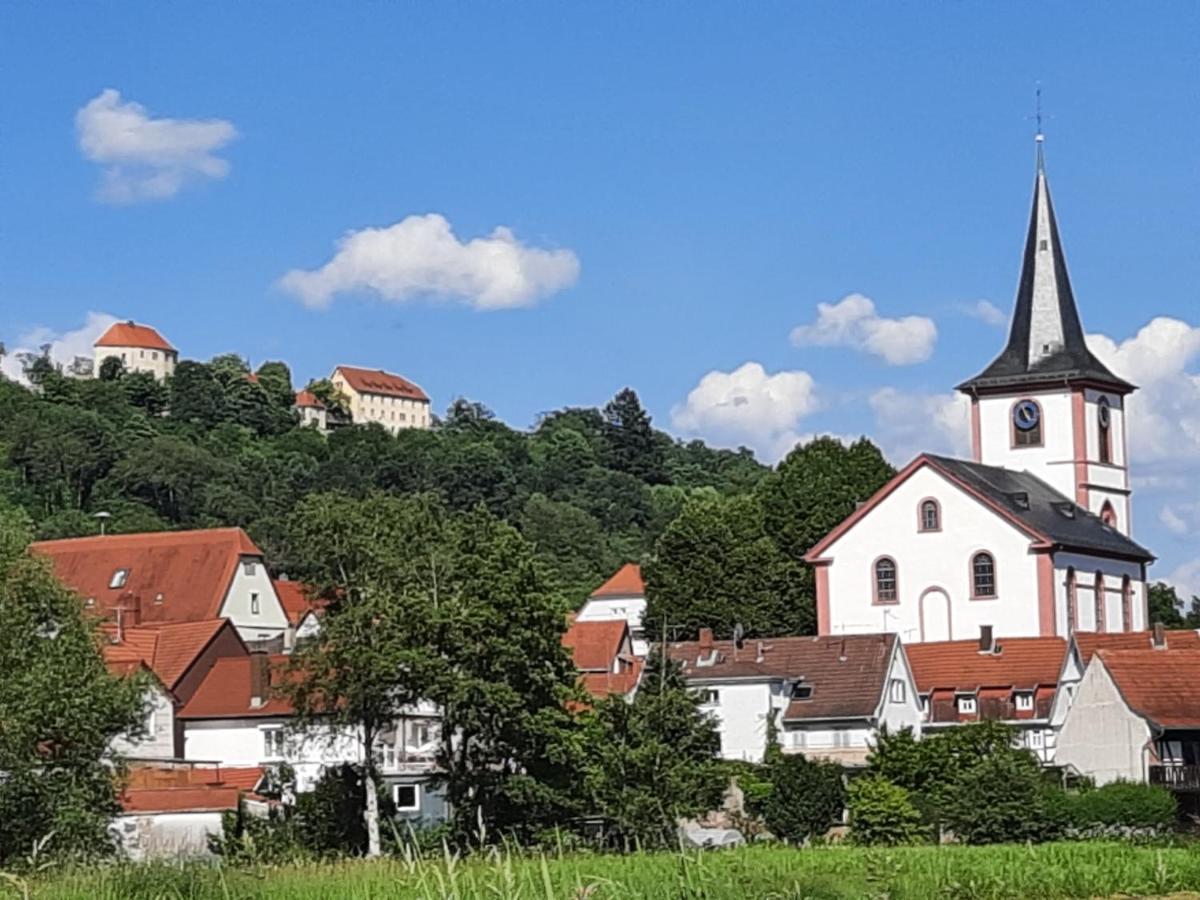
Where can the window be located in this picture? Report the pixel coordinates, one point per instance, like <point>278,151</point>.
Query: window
<point>1099,612</point>
<point>1108,515</point>
<point>254,604</point>
<point>802,691</point>
<point>709,697</point>
<point>897,692</point>
<point>931,515</point>
<point>141,354</point>
<point>885,580</point>
<point>1104,426</point>
<point>1023,701</point>
<point>1026,424</point>
<point>273,743</point>
<point>407,797</point>
<point>966,704</point>
<point>925,703</point>
<point>1072,602</point>
<point>420,734</point>
<point>983,576</point>
<point>1035,739</point>
<point>154,354</point>
<point>1127,603</point>
<point>151,722</point>
<point>248,566</point>
<point>119,578</point>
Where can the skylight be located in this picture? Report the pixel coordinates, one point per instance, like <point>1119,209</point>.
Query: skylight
<point>119,578</point>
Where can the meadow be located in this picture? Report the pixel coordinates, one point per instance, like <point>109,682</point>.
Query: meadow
<point>1095,869</point>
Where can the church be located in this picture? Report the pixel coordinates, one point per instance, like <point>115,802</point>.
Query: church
<point>1032,535</point>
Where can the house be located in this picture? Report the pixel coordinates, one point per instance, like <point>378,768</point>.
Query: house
<point>237,718</point>
<point>302,609</point>
<point>1010,680</point>
<point>173,576</point>
<point>373,395</point>
<point>824,697</point>
<point>139,347</point>
<point>177,656</point>
<point>623,597</point>
<point>311,410</point>
<point>1031,536</point>
<point>603,654</point>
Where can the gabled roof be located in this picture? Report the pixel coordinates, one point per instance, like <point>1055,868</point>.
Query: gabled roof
<point>627,582</point>
<point>847,673</point>
<point>377,381</point>
<point>295,597</point>
<point>1088,642</point>
<point>1023,664</point>
<point>172,576</point>
<point>225,691</point>
<point>1046,341</point>
<point>305,398</point>
<point>1159,685</point>
<point>130,334</point>
<point>595,646</point>
<point>606,684</point>
<point>167,649</point>
<point>1022,498</point>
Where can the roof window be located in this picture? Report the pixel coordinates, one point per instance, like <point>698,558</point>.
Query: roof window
<point>119,578</point>
<point>1020,499</point>
<point>802,691</point>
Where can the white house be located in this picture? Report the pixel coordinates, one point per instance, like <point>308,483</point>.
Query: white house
<point>373,395</point>
<point>622,597</point>
<point>311,410</point>
<point>173,576</point>
<point>139,347</point>
<point>1030,537</point>
<point>825,697</point>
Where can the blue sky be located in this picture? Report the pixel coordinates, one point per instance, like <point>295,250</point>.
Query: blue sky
<point>684,184</point>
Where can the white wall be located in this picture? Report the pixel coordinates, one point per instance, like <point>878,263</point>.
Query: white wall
<point>271,621</point>
<point>1053,462</point>
<point>166,835</point>
<point>907,712</point>
<point>1114,571</point>
<point>1101,737</point>
<point>741,712</point>
<point>159,363</point>
<point>159,740</point>
<point>932,562</point>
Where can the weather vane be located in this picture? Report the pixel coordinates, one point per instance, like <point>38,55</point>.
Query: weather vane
<point>1037,116</point>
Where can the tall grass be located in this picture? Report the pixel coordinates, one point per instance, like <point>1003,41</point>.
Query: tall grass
<point>763,873</point>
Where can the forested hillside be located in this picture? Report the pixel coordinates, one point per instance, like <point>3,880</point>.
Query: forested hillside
<point>721,534</point>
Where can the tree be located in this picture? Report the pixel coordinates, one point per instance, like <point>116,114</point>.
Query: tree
<point>882,813</point>
<point>806,797</point>
<point>196,394</point>
<point>651,761</point>
<point>145,392</point>
<point>111,369</point>
<point>1165,606</point>
<point>60,710</point>
<point>633,446</point>
<point>716,567</point>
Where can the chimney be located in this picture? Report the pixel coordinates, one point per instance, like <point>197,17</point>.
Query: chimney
<point>1159,636</point>
<point>706,640</point>
<point>987,643</point>
<point>260,679</point>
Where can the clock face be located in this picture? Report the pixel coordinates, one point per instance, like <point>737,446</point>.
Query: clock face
<point>1026,415</point>
<point>1105,414</point>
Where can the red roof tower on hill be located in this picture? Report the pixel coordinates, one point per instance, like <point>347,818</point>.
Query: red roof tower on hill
<point>130,334</point>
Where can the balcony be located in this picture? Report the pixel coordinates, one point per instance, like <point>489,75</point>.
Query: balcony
<point>1176,778</point>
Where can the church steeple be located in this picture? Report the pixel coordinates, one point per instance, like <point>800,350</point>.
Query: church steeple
<point>1046,341</point>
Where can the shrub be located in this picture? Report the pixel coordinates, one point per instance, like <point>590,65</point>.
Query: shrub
<point>1120,805</point>
<point>1001,798</point>
<point>805,799</point>
<point>883,813</point>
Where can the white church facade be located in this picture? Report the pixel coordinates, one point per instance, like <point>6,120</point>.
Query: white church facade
<point>1032,535</point>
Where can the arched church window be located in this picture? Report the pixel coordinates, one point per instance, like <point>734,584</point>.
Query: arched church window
<point>1072,601</point>
<point>885,580</point>
<point>1127,603</point>
<point>930,515</point>
<point>983,576</point>
<point>1027,423</point>
<point>1108,515</point>
<point>1099,601</point>
<point>1104,429</point>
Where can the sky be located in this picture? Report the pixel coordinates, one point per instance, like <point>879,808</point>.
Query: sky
<point>772,220</point>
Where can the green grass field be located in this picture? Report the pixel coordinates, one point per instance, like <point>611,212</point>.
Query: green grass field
<point>763,873</point>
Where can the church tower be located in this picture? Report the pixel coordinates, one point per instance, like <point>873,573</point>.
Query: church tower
<point>1046,404</point>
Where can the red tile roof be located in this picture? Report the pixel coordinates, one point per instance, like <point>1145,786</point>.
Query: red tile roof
<point>173,576</point>
<point>1020,664</point>
<point>225,691</point>
<point>1159,685</point>
<point>606,684</point>
<point>595,646</point>
<point>1088,642</point>
<point>167,649</point>
<point>377,381</point>
<point>846,672</point>
<point>294,596</point>
<point>148,776</point>
<point>308,398</point>
<point>179,800</point>
<point>627,582</point>
<point>130,334</point>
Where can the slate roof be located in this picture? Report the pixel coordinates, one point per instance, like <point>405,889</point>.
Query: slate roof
<point>1159,685</point>
<point>626,582</point>
<point>191,570</point>
<point>1088,642</point>
<point>846,672</point>
<point>1041,508</point>
<point>377,381</point>
<point>130,334</point>
<point>1073,359</point>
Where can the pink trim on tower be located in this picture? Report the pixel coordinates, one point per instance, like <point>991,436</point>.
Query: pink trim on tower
<point>1079,430</point>
<point>1100,602</point>
<point>976,432</point>
<point>1045,581</point>
<point>822,573</point>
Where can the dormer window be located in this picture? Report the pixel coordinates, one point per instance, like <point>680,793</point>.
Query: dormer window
<point>248,567</point>
<point>966,704</point>
<point>1023,700</point>
<point>930,515</point>
<point>118,579</point>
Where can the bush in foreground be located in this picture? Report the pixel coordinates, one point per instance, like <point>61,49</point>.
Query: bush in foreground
<point>883,813</point>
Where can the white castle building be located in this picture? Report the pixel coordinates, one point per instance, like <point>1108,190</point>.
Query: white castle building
<point>1032,535</point>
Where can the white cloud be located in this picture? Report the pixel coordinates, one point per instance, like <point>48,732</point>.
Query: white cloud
<point>907,424</point>
<point>1186,581</point>
<point>853,322</point>
<point>147,158</point>
<point>420,256</point>
<point>1173,520</point>
<point>749,406</point>
<point>985,311</point>
<point>64,347</point>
